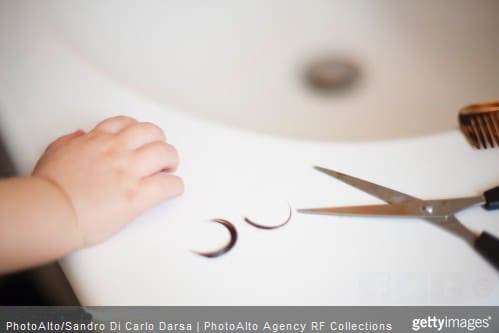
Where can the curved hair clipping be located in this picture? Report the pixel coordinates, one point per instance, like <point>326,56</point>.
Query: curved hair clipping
<point>266,227</point>
<point>233,238</point>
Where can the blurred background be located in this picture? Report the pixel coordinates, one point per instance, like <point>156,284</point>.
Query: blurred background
<point>314,70</point>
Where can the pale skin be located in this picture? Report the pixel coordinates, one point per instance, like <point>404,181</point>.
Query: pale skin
<point>83,190</point>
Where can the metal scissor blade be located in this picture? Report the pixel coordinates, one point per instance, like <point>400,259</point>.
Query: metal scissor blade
<point>454,226</point>
<point>442,207</point>
<point>397,210</point>
<point>381,192</point>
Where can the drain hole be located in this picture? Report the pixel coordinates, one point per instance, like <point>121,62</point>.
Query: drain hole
<point>331,75</point>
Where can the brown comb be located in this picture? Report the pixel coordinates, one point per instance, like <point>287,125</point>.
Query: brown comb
<point>480,124</point>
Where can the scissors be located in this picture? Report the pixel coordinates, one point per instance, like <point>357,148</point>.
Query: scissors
<point>438,212</point>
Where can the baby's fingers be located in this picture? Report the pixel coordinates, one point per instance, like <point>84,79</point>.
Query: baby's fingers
<point>116,124</point>
<point>154,157</point>
<point>157,188</point>
<point>140,134</point>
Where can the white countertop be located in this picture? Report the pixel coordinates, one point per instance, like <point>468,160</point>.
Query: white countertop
<point>228,173</point>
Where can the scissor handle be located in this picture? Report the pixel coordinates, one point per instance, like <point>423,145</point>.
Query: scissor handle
<point>491,198</point>
<point>488,246</point>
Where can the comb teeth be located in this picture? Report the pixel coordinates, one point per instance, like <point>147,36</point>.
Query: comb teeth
<point>480,124</point>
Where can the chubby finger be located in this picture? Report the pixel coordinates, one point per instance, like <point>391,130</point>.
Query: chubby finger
<point>115,125</point>
<point>140,134</point>
<point>65,138</point>
<point>157,188</point>
<point>154,157</point>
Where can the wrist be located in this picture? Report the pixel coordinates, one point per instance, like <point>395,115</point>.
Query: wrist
<point>66,223</point>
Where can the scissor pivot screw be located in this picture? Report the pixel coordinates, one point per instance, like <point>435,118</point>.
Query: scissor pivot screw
<point>428,209</point>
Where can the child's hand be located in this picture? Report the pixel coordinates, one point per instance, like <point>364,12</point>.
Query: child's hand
<point>111,174</point>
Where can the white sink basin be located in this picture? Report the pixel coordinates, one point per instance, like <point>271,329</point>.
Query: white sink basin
<point>204,71</point>
<point>241,63</point>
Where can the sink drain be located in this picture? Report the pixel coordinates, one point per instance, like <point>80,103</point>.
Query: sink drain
<point>332,75</point>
